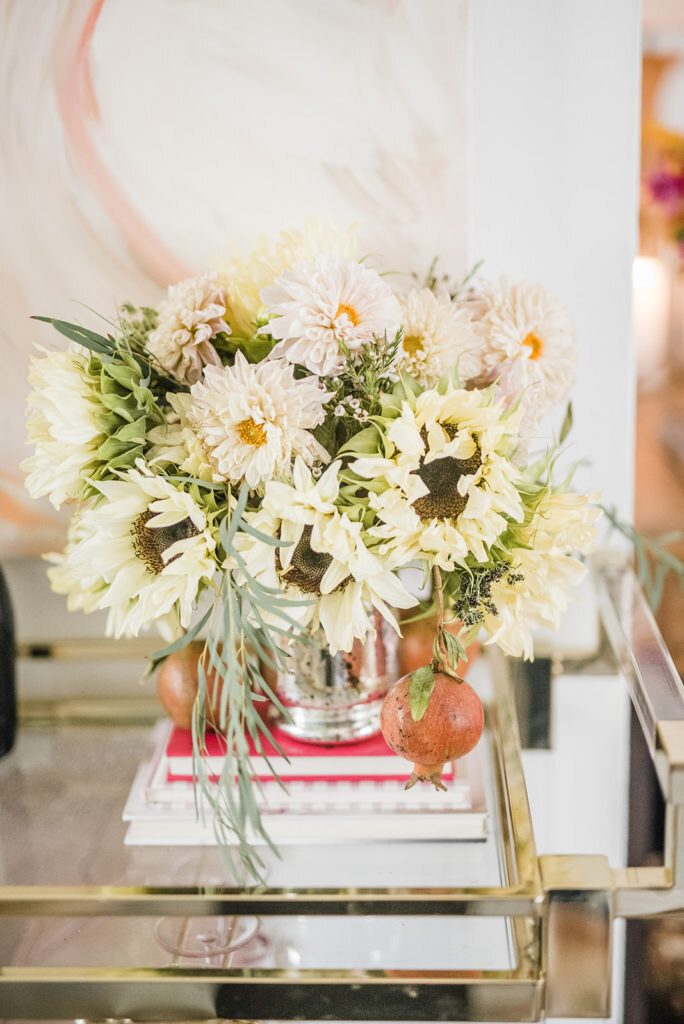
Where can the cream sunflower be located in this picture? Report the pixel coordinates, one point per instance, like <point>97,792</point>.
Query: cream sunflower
<point>324,558</point>
<point>253,419</point>
<point>143,552</point>
<point>449,486</point>
<point>192,315</point>
<point>527,344</point>
<point>316,306</point>
<point>175,442</point>
<point>245,278</point>
<point>437,336</point>
<point>62,424</point>
<point>543,574</point>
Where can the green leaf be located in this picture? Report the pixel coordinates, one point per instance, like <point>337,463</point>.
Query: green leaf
<point>183,640</point>
<point>567,424</point>
<point>81,335</point>
<point>123,374</point>
<point>420,690</point>
<point>365,442</point>
<point>258,347</point>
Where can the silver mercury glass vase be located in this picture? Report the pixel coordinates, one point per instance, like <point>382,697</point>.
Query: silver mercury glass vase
<point>336,698</point>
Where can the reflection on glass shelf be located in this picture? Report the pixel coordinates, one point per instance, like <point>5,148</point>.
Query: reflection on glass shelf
<point>64,788</point>
<point>369,943</point>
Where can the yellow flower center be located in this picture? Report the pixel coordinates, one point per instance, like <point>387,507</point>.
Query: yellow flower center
<point>252,433</point>
<point>413,344</point>
<point>534,342</point>
<point>350,313</point>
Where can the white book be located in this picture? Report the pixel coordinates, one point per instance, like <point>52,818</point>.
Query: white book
<point>319,828</point>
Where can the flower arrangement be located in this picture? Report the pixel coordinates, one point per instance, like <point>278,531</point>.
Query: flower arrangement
<point>260,456</point>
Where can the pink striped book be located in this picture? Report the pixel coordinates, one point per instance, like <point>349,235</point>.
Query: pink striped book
<point>370,759</point>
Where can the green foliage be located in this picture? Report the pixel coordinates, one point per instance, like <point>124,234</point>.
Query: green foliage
<point>443,284</point>
<point>654,563</point>
<point>126,387</point>
<point>469,591</point>
<point>447,650</point>
<point>358,392</point>
<point>421,685</point>
<point>135,324</point>
<point>566,426</point>
<point>248,625</point>
<point>110,347</point>
<point>254,346</point>
<point>128,409</point>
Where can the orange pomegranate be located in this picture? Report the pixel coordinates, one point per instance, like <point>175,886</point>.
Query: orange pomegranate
<point>450,726</point>
<point>178,683</point>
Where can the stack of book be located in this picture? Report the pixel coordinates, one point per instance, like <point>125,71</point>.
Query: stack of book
<point>338,793</point>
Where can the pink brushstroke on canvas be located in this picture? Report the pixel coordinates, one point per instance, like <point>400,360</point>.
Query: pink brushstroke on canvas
<point>79,112</point>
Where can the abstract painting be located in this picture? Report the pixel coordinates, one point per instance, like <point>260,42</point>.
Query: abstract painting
<point>144,142</point>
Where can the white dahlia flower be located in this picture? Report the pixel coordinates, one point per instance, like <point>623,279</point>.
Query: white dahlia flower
<point>543,575</point>
<point>325,559</point>
<point>253,419</point>
<point>192,315</point>
<point>450,487</point>
<point>315,306</point>
<point>62,409</point>
<point>527,344</point>
<point>143,552</point>
<point>244,279</point>
<point>437,335</point>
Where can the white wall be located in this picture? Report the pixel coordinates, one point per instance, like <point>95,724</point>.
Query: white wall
<point>553,196</point>
<point>553,191</point>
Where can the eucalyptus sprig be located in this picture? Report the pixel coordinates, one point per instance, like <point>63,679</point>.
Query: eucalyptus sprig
<point>654,562</point>
<point>247,627</point>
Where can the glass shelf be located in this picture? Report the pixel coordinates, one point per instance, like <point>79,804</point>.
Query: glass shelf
<point>81,905</point>
<point>411,930</point>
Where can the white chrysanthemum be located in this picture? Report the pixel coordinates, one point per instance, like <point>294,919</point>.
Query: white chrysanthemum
<point>143,551</point>
<point>437,336</point>
<point>192,315</point>
<point>175,442</point>
<point>326,559</point>
<point>253,419</point>
<point>528,342</point>
<point>450,489</point>
<point>315,306</point>
<point>543,575</point>
<point>62,409</point>
<point>245,278</point>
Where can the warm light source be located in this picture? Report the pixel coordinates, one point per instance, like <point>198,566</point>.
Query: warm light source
<point>651,315</point>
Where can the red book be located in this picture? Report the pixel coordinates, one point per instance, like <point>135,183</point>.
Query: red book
<point>369,760</point>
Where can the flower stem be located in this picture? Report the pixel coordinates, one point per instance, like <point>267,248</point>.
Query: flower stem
<point>443,662</point>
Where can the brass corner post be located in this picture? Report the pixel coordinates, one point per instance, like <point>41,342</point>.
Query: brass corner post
<point>576,935</point>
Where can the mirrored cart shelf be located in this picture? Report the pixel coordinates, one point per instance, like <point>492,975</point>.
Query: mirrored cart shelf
<point>412,930</point>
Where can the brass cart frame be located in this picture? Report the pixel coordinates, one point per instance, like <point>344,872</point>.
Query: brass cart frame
<point>546,899</point>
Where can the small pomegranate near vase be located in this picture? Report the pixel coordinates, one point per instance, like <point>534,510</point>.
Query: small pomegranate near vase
<point>178,683</point>
<point>449,727</point>
<point>431,716</point>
